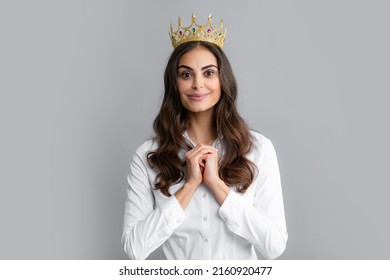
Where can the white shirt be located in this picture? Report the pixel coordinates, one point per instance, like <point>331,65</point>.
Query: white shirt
<point>205,229</point>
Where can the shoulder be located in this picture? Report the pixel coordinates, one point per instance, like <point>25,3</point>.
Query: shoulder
<point>262,149</point>
<point>262,146</point>
<point>259,140</point>
<point>146,147</point>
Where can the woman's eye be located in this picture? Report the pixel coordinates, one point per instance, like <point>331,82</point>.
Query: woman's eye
<point>185,75</point>
<point>209,72</point>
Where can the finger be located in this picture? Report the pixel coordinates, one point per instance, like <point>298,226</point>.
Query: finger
<point>198,153</point>
<point>203,149</point>
<point>202,146</point>
<point>207,156</point>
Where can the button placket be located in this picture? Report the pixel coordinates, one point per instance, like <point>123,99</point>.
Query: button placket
<point>206,230</point>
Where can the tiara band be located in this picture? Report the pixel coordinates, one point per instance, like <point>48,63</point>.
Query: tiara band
<point>196,32</point>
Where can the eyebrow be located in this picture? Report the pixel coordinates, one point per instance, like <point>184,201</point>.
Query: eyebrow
<point>203,68</point>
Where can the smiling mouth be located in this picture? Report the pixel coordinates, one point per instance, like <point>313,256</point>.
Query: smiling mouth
<point>197,97</point>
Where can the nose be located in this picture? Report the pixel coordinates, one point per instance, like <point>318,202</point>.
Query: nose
<point>197,82</point>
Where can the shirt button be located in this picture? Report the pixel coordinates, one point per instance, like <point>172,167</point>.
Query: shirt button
<point>205,240</point>
<point>205,219</point>
<point>204,195</point>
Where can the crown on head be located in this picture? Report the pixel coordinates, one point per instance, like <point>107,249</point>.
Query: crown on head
<point>196,32</point>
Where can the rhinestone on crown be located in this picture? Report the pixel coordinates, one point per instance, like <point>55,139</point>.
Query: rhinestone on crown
<point>196,32</point>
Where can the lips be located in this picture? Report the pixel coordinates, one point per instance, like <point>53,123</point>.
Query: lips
<point>197,96</point>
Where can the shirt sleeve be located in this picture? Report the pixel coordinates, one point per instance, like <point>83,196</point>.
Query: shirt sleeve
<point>261,222</point>
<point>146,226</point>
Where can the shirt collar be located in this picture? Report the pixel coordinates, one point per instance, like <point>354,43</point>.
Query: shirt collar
<point>216,142</point>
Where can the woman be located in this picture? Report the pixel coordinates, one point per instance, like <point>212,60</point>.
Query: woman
<point>205,187</point>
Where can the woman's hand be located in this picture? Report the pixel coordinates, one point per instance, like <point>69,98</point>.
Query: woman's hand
<point>196,163</point>
<point>195,166</point>
<point>211,177</point>
<point>202,165</point>
<point>210,173</point>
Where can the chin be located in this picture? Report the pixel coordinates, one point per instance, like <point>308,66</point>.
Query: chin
<point>199,109</point>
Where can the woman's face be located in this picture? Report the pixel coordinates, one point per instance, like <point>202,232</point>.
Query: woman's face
<point>198,80</point>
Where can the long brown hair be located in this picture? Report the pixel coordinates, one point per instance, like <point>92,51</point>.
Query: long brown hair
<point>171,122</point>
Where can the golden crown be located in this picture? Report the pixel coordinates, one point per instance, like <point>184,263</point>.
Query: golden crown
<point>196,32</point>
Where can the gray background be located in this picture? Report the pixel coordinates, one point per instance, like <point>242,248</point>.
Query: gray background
<point>81,82</point>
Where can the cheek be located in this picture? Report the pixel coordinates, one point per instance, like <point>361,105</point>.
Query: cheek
<point>181,89</point>
<point>181,86</point>
<point>216,86</point>
<point>217,93</point>
<point>215,83</point>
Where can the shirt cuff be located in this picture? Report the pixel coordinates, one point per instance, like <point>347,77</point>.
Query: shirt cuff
<point>173,212</point>
<point>231,207</point>
<point>172,217</point>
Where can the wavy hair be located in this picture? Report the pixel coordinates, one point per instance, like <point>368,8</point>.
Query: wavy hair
<point>171,122</point>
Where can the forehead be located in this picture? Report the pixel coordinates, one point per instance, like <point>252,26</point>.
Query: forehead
<point>198,57</point>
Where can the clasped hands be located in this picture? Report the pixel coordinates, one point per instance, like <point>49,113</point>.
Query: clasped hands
<point>202,165</point>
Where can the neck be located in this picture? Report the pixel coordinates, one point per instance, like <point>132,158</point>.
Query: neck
<point>201,128</point>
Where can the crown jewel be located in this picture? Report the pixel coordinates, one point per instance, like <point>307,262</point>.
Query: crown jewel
<point>196,32</point>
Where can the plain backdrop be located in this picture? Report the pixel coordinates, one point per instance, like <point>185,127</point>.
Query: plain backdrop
<point>82,81</point>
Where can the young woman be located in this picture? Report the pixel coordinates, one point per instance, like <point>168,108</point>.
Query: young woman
<point>205,187</point>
